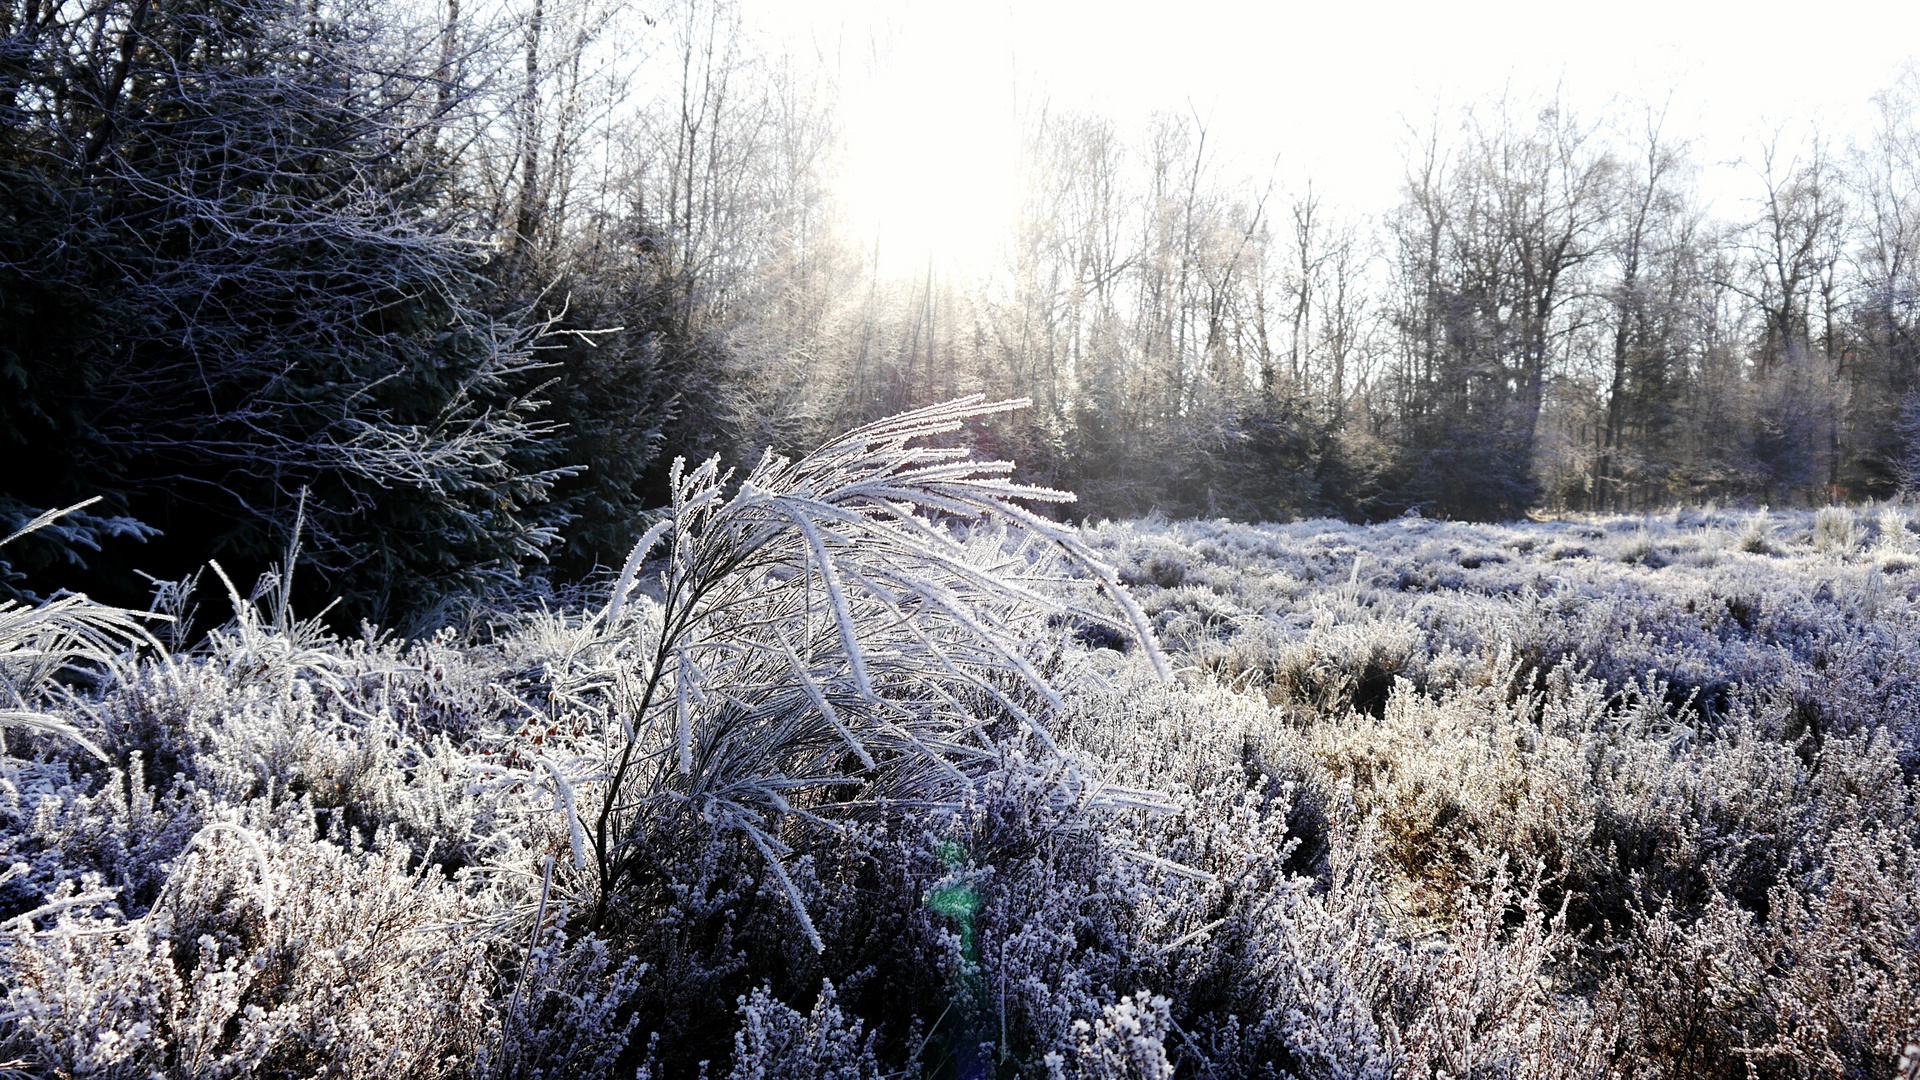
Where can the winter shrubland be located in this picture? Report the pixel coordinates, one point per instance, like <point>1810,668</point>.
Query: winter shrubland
<point>860,768</point>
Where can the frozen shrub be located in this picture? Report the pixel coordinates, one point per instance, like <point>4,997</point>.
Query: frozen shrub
<point>1756,535</point>
<point>1154,561</point>
<point>1640,549</point>
<point>121,834</point>
<point>569,1015</point>
<point>1894,529</point>
<point>1843,984</point>
<point>1308,976</point>
<point>264,956</point>
<point>1127,1042</point>
<point>1483,1005</point>
<point>826,645</point>
<point>1192,617</point>
<point>1339,664</point>
<point>1835,531</point>
<point>1685,758</point>
<point>777,1043</point>
<point>1825,986</point>
<point>1462,776</point>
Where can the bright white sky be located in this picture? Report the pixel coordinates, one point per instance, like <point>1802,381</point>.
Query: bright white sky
<point>932,90</point>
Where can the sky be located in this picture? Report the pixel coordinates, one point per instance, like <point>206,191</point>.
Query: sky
<point>934,93</point>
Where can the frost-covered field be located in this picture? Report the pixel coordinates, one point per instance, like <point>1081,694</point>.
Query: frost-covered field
<point>1701,730</point>
<point>1622,796</point>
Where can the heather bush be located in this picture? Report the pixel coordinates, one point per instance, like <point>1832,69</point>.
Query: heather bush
<point>776,1041</point>
<point>1753,535</point>
<point>238,969</point>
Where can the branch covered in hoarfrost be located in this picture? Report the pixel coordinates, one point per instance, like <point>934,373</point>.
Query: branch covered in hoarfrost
<point>844,632</point>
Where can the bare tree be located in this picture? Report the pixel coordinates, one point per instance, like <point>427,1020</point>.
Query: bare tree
<point>1651,262</point>
<point>1886,269</point>
<point>1492,239</point>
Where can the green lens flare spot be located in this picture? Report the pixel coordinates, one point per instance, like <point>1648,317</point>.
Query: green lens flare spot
<point>958,901</point>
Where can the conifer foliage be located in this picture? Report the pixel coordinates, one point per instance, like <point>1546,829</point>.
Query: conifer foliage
<point>227,276</point>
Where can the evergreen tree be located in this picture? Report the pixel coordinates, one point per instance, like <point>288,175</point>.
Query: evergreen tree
<point>226,278</point>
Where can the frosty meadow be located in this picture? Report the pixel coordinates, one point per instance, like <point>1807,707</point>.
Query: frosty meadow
<point>863,770</point>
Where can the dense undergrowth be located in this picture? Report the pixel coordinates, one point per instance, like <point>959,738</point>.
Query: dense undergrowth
<point>1601,797</point>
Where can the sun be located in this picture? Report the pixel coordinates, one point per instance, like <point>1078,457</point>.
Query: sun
<point>933,151</point>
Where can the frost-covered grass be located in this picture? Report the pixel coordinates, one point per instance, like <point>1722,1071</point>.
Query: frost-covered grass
<point>1623,796</point>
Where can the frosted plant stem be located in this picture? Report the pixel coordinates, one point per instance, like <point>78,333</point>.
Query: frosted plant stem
<point>533,942</point>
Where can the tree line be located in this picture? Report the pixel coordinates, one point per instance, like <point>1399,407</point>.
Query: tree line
<point>451,286</point>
